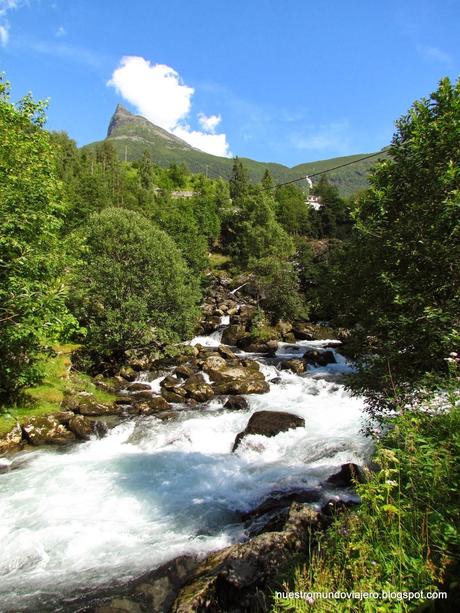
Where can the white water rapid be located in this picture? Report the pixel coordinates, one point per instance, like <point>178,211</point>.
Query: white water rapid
<point>110,509</point>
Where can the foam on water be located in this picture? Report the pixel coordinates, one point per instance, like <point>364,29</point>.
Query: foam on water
<point>113,508</point>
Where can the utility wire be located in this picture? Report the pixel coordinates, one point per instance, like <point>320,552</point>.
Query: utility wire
<point>322,172</point>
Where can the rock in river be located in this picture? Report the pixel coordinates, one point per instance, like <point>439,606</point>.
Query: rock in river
<point>269,423</point>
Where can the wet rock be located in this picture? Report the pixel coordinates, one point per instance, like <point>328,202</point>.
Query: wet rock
<point>226,353</point>
<point>46,430</point>
<point>234,578</point>
<point>64,417</point>
<point>184,371</point>
<point>269,423</point>
<point>347,475</point>
<point>196,378</point>
<point>154,591</point>
<point>233,333</point>
<point>12,441</point>
<point>236,403</point>
<point>170,383</point>
<point>210,324</point>
<point>319,357</point>
<point>303,331</point>
<point>244,386</point>
<point>201,392</point>
<point>235,373</point>
<point>86,404</point>
<point>214,363</point>
<point>297,366</point>
<point>138,386</point>
<point>174,396</point>
<point>255,346</point>
<point>141,395</point>
<point>289,337</point>
<point>82,427</point>
<point>100,428</point>
<point>153,405</point>
<point>246,312</point>
<point>276,380</point>
<point>91,408</point>
<point>128,373</point>
<point>326,357</point>
<point>282,500</point>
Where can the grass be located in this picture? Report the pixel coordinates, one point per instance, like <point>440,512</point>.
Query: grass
<point>45,398</point>
<point>218,261</point>
<point>405,536</point>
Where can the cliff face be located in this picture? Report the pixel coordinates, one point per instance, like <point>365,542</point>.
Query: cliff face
<point>126,125</point>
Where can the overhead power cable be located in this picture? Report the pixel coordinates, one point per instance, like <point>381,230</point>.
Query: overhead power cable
<point>322,172</point>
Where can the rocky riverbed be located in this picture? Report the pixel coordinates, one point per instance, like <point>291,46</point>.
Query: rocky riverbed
<point>226,450</point>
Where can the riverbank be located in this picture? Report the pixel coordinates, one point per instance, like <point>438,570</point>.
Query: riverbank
<point>405,535</point>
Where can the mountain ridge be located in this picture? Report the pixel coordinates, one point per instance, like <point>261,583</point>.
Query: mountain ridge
<point>132,134</point>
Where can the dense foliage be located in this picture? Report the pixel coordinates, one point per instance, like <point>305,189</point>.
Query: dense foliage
<point>399,277</point>
<point>133,286</point>
<point>32,257</point>
<point>405,535</point>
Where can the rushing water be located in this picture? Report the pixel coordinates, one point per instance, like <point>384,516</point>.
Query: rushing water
<point>110,509</point>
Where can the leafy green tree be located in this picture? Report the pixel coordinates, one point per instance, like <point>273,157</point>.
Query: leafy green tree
<point>401,276</point>
<point>292,212</point>
<point>332,214</point>
<point>255,233</point>
<point>278,285</point>
<point>32,260</point>
<point>239,182</point>
<point>177,218</point>
<point>133,287</point>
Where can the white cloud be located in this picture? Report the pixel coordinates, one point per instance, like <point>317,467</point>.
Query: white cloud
<point>5,6</point>
<point>216,144</point>
<point>4,35</point>
<point>434,54</point>
<point>209,123</point>
<point>60,32</point>
<point>159,94</point>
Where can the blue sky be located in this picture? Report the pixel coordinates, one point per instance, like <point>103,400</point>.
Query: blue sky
<point>287,81</point>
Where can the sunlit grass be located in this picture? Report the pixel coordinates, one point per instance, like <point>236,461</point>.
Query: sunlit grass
<point>46,398</point>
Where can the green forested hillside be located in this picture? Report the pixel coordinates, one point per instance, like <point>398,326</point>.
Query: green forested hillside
<point>131,135</point>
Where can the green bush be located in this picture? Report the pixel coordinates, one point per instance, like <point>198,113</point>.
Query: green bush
<point>133,287</point>
<point>32,255</point>
<point>400,276</point>
<point>405,536</point>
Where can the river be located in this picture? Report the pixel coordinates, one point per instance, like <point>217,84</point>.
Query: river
<point>107,510</point>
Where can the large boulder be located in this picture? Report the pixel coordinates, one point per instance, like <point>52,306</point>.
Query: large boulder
<point>11,441</point>
<point>233,333</point>
<point>269,423</point>
<point>242,386</point>
<point>86,404</point>
<point>46,429</point>
<point>234,578</point>
<point>236,403</point>
<point>235,373</point>
<point>138,386</point>
<point>201,392</point>
<point>258,346</point>
<point>347,475</point>
<point>154,404</point>
<point>81,426</point>
<point>303,331</point>
<point>297,366</point>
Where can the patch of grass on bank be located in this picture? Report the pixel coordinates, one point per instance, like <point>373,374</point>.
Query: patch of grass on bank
<point>405,536</point>
<point>218,261</point>
<point>47,397</point>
